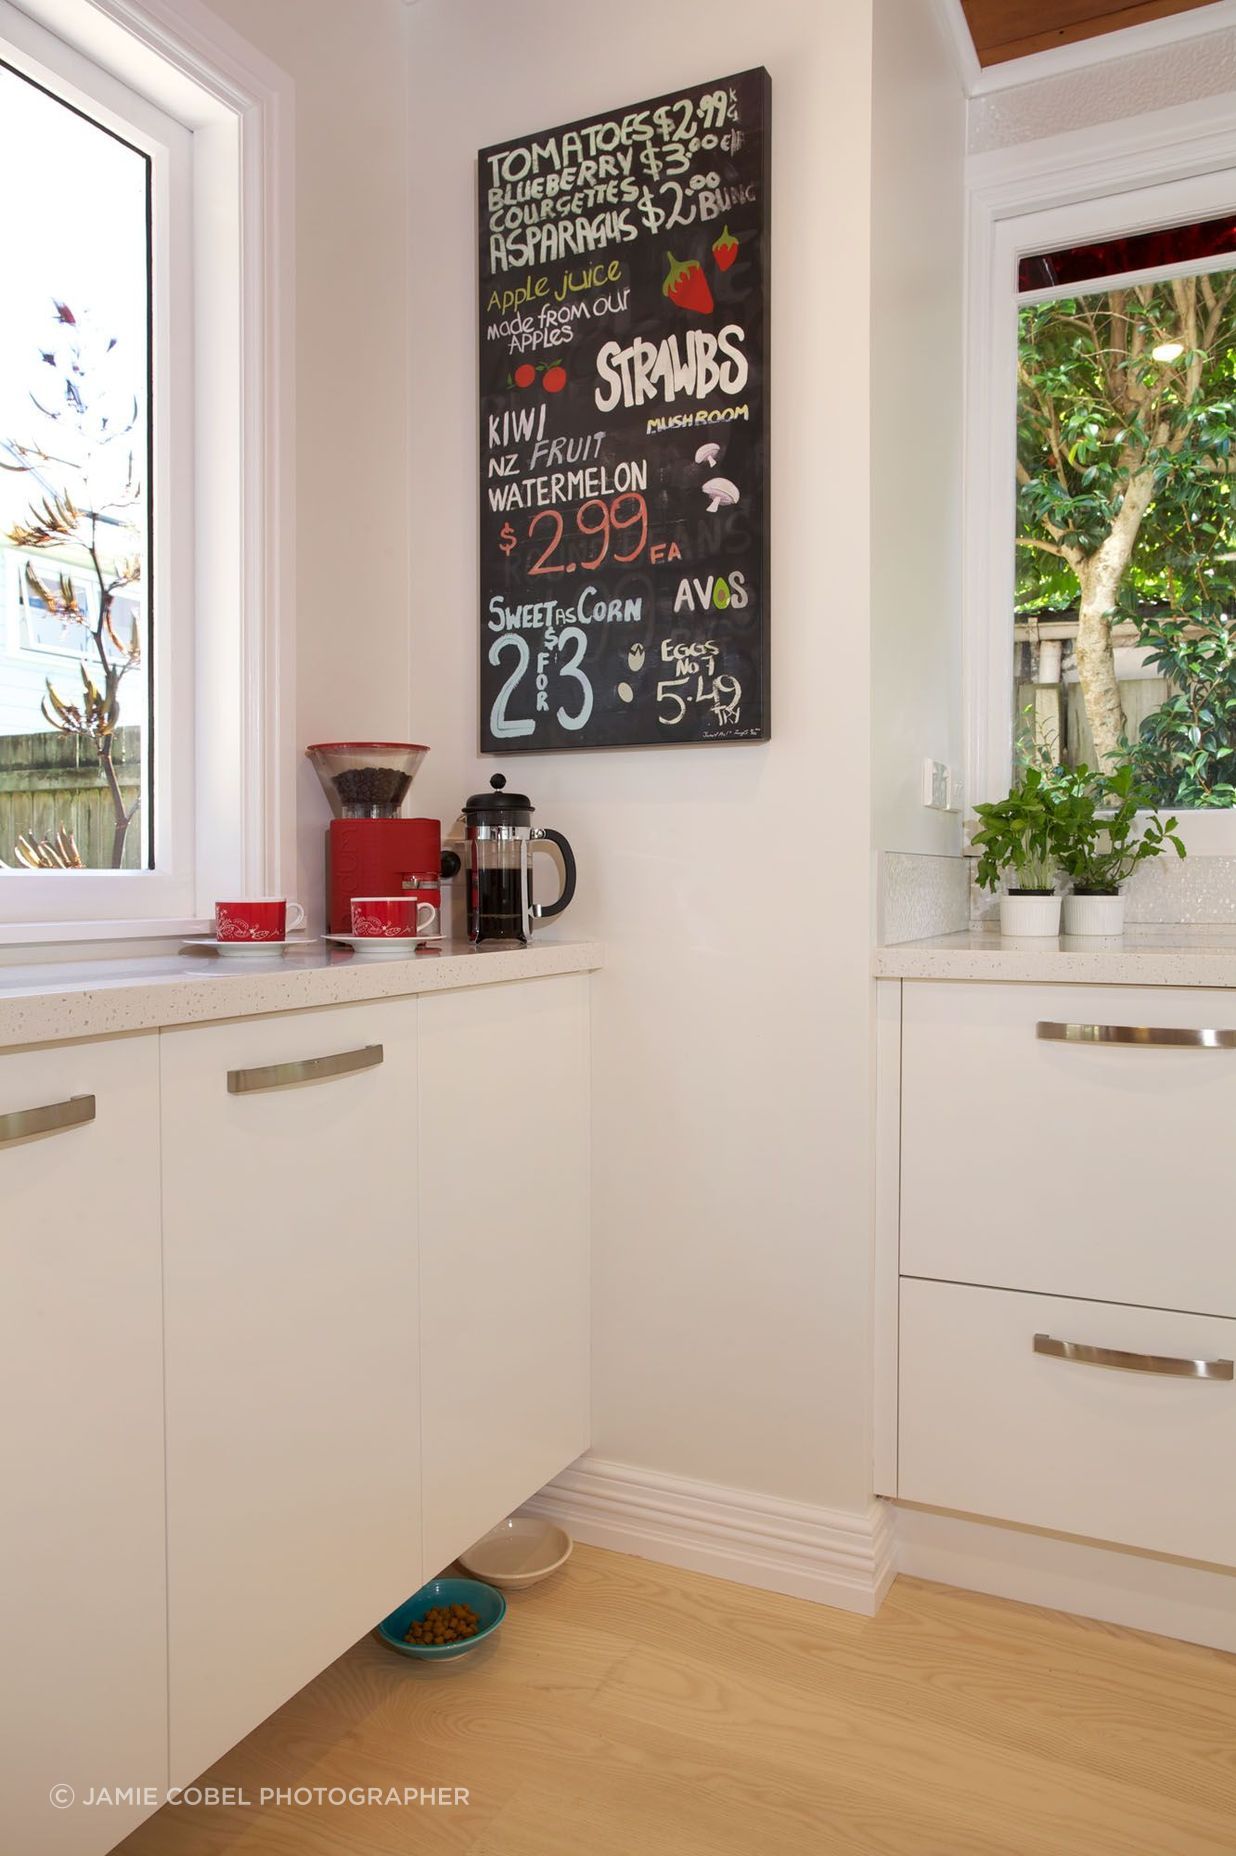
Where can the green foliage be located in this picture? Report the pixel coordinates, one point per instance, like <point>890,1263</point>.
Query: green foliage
<point>1186,754</point>
<point>1095,827</point>
<point>1097,412</point>
<point>1104,826</point>
<point>1094,407</point>
<point>1019,834</point>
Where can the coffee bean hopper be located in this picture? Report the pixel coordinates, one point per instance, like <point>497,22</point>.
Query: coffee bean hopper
<point>371,850</point>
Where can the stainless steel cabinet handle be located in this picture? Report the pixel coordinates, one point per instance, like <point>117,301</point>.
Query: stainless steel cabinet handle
<point>1167,1363</point>
<point>304,1070</point>
<point>1203,1039</point>
<point>24,1122</point>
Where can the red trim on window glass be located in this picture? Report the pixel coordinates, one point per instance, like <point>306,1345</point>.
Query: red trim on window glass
<point>1209,238</point>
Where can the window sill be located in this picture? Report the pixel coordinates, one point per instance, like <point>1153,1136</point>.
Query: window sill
<point>1206,834</point>
<point>17,938</point>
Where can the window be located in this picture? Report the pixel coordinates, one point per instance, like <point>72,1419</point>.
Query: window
<point>143,320</point>
<point>75,494</point>
<point>1087,217</point>
<point>1125,596</point>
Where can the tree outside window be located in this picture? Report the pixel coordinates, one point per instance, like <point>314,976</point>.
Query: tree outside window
<point>1126,540</point>
<point>74,496</point>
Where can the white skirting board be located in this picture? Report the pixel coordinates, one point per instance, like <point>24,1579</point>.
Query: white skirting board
<point>1174,1598</point>
<point>781,1546</point>
<point>850,1560</point>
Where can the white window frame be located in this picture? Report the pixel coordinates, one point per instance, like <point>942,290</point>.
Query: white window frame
<point>1074,189</point>
<point>229,151</point>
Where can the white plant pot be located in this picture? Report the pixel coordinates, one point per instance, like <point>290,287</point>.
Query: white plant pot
<point>1094,915</point>
<point>1029,915</point>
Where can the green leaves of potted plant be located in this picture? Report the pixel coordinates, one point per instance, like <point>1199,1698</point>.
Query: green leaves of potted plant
<point>1106,826</point>
<point>1018,836</point>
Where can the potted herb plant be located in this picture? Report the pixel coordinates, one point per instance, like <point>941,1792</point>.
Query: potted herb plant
<point>1017,838</point>
<point>1106,826</point>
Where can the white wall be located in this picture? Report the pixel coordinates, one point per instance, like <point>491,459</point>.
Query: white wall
<point>918,150</point>
<point>731,884</point>
<point>353,645</point>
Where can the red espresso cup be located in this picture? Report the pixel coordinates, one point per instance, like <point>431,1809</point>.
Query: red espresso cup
<point>262,918</point>
<point>391,917</point>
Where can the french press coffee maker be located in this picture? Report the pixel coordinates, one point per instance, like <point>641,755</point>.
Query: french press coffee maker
<point>499,837</point>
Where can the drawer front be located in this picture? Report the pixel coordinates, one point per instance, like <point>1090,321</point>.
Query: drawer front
<point>1084,1169</point>
<point>994,1427</point>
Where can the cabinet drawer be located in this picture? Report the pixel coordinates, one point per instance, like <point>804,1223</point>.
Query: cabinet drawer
<point>1084,1169</point>
<point>991,1426</point>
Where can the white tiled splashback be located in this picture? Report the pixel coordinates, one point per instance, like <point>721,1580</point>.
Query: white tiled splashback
<point>1166,889</point>
<point>921,896</point>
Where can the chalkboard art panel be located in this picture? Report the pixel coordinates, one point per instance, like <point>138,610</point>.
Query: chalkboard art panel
<point>624,426</point>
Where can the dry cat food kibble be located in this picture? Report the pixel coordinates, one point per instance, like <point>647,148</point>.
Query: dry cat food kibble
<point>444,1624</point>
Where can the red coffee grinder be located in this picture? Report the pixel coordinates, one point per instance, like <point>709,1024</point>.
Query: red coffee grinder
<point>370,849</point>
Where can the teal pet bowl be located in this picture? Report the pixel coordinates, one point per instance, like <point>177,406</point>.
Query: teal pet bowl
<point>489,1605</point>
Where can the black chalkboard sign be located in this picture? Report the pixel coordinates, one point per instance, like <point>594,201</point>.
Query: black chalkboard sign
<point>624,426</point>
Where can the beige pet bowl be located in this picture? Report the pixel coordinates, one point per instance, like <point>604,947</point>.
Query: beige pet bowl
<point>518,1552</point>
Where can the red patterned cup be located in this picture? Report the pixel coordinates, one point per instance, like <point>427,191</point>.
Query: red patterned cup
<point>390,917</point>
<point>258,919</point>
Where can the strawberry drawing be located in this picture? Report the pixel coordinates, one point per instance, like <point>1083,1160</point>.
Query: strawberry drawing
<point>725,250</point>
<point>687,286</point>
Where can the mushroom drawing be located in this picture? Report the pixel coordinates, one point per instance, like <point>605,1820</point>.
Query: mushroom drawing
<point>723,493</point>
<point>708,454</point>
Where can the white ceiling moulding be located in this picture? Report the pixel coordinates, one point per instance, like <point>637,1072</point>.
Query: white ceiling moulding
<point>1184,75</point>
<point>957,31</point>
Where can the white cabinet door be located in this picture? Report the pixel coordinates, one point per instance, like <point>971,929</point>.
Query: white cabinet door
<point>504,1250</point>
<point>1099,1170</point>
<point>994,1424</point>
<point>82,1614</point>
<point>291,1292</point>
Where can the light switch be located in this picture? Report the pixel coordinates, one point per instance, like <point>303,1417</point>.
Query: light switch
<point>937,785</point>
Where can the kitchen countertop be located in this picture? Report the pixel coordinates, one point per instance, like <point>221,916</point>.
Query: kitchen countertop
<point>50,1001</point>
<point>1182,955</point>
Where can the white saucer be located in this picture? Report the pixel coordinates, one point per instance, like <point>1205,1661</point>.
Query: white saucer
<point>384,947</point>
<point>247,949</point>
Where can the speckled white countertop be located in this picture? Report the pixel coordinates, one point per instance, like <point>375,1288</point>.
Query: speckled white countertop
<point>52,1000</point>
<point>1180,955</point>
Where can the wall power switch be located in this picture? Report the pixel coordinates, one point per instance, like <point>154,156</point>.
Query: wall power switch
<point>940,785</point>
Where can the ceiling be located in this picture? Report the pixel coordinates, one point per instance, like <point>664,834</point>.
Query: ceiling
<point>1003,29</point>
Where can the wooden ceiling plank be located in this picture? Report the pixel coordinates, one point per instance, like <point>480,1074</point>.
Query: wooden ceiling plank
<point>1000,22</point>
<point>1005,29</point>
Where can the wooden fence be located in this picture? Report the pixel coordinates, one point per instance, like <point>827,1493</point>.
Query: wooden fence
<point>49,781</point>
<point>1060,713</point>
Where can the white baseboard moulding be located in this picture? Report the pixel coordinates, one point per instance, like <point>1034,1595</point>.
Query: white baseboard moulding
<point>850,1560</point>
<point>780,1546</point>
<point>1117,1585</point>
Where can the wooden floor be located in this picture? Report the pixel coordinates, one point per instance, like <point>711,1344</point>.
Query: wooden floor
<point>626,1709</point>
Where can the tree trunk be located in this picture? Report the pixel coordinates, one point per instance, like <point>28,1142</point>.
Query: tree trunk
<point>122,818</point>
<point>1099,577</point>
